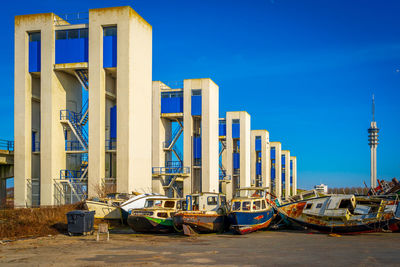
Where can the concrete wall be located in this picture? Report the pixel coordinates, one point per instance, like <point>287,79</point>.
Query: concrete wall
<point>277,190</point>
<point>293,159</point>
<point>287,172</point>
<point>52,99</point>
<point>265,157</point>
<point>209,135</point>
<point>244,179</point>
<point>134,99</point>
<point>161,131</point>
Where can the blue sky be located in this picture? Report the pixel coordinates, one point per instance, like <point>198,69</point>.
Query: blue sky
<point>304,70</point>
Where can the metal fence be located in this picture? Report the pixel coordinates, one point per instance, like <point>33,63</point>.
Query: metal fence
<point>6,145</point>
<point>72,18</point>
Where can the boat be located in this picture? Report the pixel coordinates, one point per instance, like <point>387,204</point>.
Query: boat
<point>386,188</point>
<point>344,214</point>
<point>137,202</point>
<point>156,216</point>
<point>250,212</point>
<point>107,207</point>
<point>204,213</point>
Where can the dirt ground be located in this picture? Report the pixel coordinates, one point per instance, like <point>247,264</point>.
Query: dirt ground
<point>260,248</point>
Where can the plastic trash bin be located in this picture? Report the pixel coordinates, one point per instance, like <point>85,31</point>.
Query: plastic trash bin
<point>80,222</point>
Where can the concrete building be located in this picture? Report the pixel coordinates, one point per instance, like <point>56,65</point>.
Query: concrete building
<point>236,157</point>
<point>293,175</point>
<point>260,159</point>
<point>276,168</point>
<point>67,146</point>
<point>89,120</point>
<point>322,188</point>
<point>285,164</point>
<point>190,112</point>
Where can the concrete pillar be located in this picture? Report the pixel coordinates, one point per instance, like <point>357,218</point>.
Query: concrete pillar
<point>97,102</point>
<point>160,128</point>
<point>187,134</point>
<point>52,99</point>
<point>293,161</point>
<point>265,157</point>
<point>209,135</point>
<point>286,171</point>
<point>134,98</point>
<point>244,179</point>
<point>276,168</point>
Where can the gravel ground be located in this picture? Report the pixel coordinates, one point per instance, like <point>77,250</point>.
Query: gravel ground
<point>261,248</point>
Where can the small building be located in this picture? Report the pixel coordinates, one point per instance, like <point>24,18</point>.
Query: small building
<point>321,188</point>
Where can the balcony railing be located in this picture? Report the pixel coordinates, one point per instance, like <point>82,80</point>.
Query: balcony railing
<point>73,146</point>
<point>72,18</point>
<point>6,145</point>
<point>111,144</point>
<point>170,170</point>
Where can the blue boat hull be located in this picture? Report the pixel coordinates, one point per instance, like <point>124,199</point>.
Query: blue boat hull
<point>247,222</point>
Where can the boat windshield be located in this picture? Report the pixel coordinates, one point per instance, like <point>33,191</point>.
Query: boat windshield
<point>257,205</point>
<point>236,205</point>
<point>153,203</point>
<point>246,205</point>
<point>149,203</point>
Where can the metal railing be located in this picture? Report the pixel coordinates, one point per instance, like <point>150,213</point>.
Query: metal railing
<point>225,177</point>
<point>73,146</point>
<point>111,144</point>
<point>170,170</point>
<point>175,135</point>
<point>36,147</point>
<point>6,145</point>
<point>72,18</point>
<point>172,85</point>
<point>74,119</point>
<point>70,174</point>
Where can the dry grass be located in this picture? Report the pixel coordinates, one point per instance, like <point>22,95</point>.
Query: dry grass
<point>32,222</point>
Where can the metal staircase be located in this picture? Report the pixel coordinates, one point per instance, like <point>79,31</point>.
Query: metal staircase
<point>75,181</point>
<point>222,170</point>
<point>76,178</point>
<point>169,145</point>
<point>84,114</point>
<point>71,119</point>
<point>83,77</point>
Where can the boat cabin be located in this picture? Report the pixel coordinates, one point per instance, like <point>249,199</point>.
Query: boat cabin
<point>159,207</point>
<point>163,203</point>
<point>252,192</point>
<point>206,202</point>
<point>245,204</point>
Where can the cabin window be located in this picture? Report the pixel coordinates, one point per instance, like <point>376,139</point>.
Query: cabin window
<point>149,203</point>
<point>319,205</point>
<point>169,204</point>
<point>162,215</point>
<point>257,205</point>
<point>212,200</point>
<point>236,205</point>
<point>309,205</point>
<point>158,203</point>
<point>264,205</point>
<point>178,205</point>
<point>246,205</point>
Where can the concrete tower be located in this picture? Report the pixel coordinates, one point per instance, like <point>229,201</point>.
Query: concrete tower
<point>373,144</point>
<point>67,146</point>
